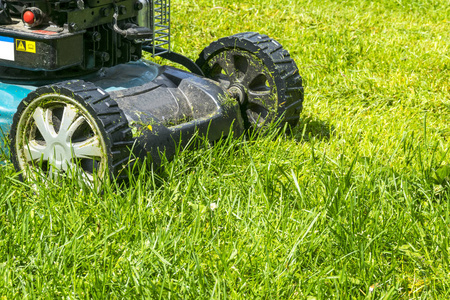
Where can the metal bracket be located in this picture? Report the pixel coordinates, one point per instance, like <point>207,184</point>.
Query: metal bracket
<point>175,57</point>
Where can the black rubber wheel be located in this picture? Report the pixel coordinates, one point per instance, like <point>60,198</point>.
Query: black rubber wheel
<point>72,125</point>
<point>260,72</point>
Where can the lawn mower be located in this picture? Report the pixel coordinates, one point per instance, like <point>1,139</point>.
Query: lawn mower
<point>77,93</point>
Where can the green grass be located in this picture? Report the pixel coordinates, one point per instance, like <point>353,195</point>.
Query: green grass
<point>354,204</point>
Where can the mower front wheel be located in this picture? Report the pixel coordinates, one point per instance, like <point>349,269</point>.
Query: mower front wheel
<point>66,127</point>
<point>260,73</point>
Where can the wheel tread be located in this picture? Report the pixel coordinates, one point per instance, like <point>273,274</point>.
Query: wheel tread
<point>117,134</point>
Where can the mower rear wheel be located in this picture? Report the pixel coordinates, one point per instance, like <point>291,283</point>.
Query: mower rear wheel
<point>66,127</point>
<point>260,73</point>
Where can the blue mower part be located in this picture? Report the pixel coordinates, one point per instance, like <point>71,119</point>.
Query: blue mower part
<point>11,96</point>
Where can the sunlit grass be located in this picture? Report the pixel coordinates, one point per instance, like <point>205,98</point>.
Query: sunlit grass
<point>354,204</point>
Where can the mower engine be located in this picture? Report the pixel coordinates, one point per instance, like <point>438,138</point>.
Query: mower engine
<point>84,35</point>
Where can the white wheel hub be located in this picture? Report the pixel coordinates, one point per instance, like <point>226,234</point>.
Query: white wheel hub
<point>56,134</point>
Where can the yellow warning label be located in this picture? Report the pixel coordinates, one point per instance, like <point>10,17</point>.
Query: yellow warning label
<point>26,46</point>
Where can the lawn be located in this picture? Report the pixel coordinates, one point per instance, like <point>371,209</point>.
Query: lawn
<point>353,204</point>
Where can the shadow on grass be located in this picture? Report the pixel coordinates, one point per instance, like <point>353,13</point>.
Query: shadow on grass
<point>310,128</point>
